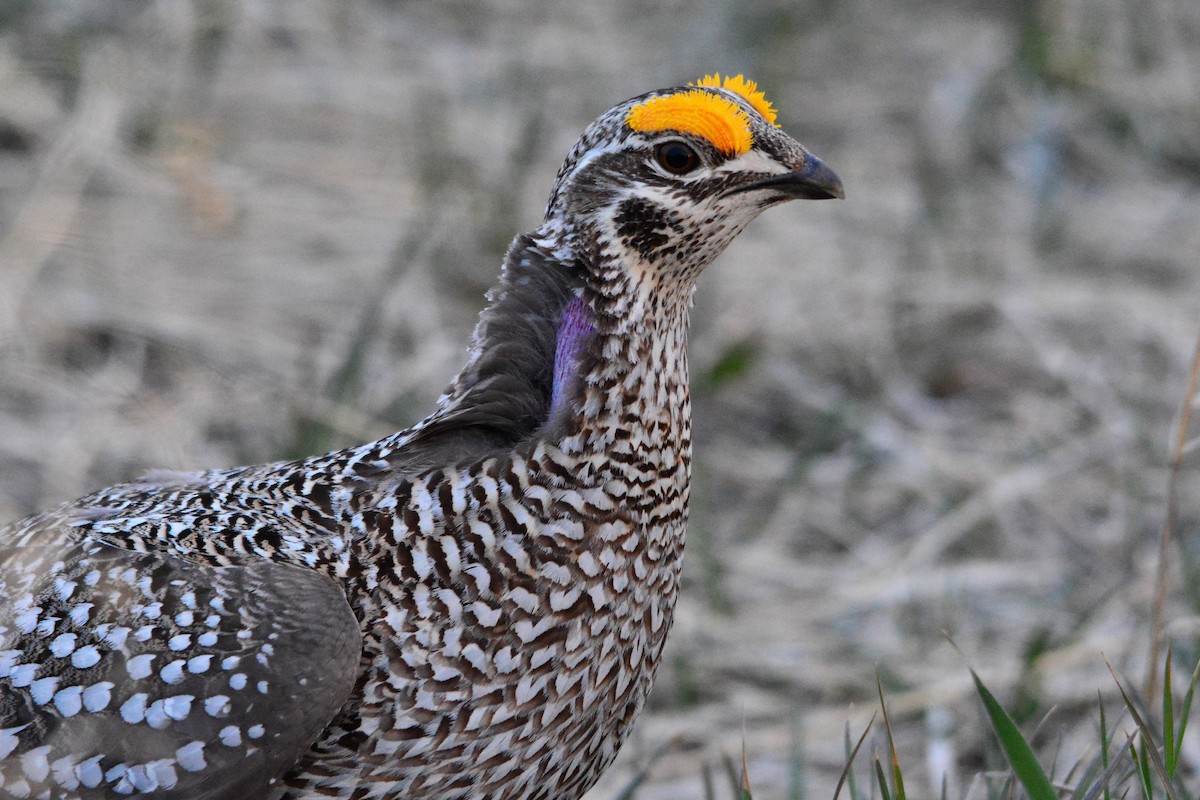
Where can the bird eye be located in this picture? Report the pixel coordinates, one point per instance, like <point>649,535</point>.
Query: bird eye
<point>676,157</point>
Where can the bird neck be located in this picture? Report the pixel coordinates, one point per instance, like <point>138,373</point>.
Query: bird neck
<point>624,341</point>
<point>579,354</point>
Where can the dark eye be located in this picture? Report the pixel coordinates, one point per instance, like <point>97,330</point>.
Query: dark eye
<point>676,157</point>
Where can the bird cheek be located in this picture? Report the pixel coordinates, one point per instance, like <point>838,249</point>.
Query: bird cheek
<point>645,227</point>
<point>741,210</point>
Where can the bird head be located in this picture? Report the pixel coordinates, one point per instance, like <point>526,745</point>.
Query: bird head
<point>664,181</point>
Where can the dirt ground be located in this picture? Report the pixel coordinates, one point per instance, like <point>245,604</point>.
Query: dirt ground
<point>233,232</point>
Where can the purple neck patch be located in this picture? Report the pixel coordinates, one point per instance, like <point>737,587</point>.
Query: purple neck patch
<point>574,332</point>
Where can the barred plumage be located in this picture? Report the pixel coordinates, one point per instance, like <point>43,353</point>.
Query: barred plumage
<point>471,608</point>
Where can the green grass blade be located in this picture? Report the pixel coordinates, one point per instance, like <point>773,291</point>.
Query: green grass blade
<point>1142,769</point>
<point>1104,745</point>
<point>1016,749</point>
<point>848,770</point>
<point>1149,757</point>
<point>1186,710</point>
<point>893,758</point>
<point>1170,755</point>
<point>884,793</point>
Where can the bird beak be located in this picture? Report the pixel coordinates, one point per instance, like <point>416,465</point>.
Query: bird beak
<point>813,181</point>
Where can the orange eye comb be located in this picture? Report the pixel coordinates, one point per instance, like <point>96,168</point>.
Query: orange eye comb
<point>718,120</point>
<point>745,88</point>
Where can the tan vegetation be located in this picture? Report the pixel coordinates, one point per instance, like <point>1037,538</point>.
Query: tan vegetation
<point>233,232</point>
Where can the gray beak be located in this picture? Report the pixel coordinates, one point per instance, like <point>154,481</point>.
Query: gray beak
<point>814,181</point>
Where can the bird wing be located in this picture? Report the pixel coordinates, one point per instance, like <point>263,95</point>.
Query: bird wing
<point>126,672</point>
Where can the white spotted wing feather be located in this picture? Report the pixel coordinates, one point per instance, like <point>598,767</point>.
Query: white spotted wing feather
<point>125,673</point>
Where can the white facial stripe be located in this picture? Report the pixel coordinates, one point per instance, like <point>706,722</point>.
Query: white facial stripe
<point>659,195</point>
<point>592,155</point>
<point>752,162</point>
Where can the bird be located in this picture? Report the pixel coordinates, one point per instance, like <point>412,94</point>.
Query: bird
<point>469,609</point>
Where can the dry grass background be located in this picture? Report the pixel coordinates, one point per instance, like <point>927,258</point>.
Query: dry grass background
<point>232,232</point>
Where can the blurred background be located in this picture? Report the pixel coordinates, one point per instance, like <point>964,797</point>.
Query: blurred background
<point>239,231</point>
